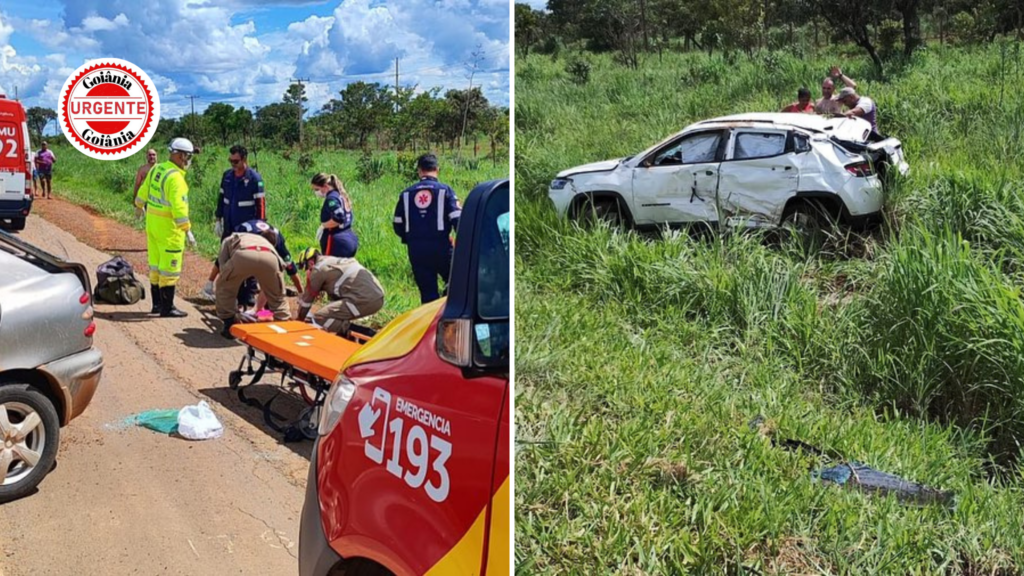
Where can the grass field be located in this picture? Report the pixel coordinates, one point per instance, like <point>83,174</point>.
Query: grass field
<point>640,361</point>
<point>291,205</point>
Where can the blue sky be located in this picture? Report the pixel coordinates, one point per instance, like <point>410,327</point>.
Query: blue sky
<point>246,52</point>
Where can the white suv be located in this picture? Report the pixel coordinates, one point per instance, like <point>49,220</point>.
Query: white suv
<point>748,170</point>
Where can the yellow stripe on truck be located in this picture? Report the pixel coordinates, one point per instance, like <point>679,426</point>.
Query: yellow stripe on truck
<point>464,557</point>
<point>399,337</point>
<point>498,541</point>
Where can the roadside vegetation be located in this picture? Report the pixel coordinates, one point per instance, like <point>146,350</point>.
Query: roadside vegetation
<point>641,361</point>
<point>373,180</point>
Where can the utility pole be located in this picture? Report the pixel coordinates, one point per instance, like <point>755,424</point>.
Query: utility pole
<point>396,83</point>
<point>302,94</point>
<point>192,99</point>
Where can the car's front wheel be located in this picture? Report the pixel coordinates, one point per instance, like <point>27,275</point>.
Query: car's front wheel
<point>29,435</point>
<point>808,220</point>
<point>593,210</point>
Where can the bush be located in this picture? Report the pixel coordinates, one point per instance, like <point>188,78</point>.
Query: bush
<point>370,168</point>
<point>579,71</point>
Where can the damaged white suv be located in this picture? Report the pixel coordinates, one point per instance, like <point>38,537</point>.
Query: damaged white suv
<point>747,171</point>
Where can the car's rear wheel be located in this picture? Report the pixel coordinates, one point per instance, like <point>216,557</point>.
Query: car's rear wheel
<point>29,435</point>
<point>809,221</point>
<point>17,224</point>
<point>594,210</point>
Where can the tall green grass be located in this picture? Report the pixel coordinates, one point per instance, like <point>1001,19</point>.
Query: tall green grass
<point>291,205</point>
<point>640,361</point>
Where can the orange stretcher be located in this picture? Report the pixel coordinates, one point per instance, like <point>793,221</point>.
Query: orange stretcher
<point>307,358</point>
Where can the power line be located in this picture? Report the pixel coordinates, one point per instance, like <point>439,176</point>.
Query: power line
<point>192,99</point>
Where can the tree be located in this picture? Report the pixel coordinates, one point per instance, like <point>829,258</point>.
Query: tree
<point>529,27</point>
<point>219,117</point>
<point>295,96</point>
<point>276,122</point>
<point>38,118</point>
<point>363,108</point>
<point>855,21</point>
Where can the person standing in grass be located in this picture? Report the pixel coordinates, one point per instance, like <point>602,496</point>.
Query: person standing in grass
<point>827,105</point>
<point>140,174</point>
<point>859,106</point>
<point>426,215</point>
<point>802,104</point>
<point>335,236</point>
<point>45,160</point>
<point>241,199</point>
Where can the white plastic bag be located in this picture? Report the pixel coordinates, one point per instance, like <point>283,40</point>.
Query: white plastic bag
<point>198,422</point>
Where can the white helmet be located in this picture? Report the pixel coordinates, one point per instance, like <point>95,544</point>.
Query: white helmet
<point>181,145</point>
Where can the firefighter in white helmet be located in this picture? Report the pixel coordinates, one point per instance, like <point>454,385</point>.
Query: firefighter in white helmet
<point>164,197</point>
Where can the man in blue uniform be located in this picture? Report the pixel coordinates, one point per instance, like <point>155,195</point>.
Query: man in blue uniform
<point>241,199</point>
<point>426,214</point>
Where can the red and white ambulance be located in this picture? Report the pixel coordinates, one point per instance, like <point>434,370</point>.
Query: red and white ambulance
<point>15,164</point>
<point>410,473</point>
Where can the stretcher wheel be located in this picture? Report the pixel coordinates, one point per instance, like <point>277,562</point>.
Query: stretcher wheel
<point>309,421</point>
<point>235,378</point>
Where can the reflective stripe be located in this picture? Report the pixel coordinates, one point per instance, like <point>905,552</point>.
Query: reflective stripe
<point>226,201</point>
<point>158,200</point>
<point>355,311</point>
<point>259,195</point>
<point>158,212</point>
<point>455,214</point>
<point>247,203</point>
<point>398,219</point>
<point>350,272</point>
<point>440,209</point>
<point>181,220</point>
<point>154,268</point>
<point>328,323</point>
<point>405,202</point>
<point>167,176</point>
<point>139,202</point>
<point>169,274</point>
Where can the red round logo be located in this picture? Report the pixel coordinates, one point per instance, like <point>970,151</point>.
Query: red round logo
<point>423,198</point>
<point>109,109</point>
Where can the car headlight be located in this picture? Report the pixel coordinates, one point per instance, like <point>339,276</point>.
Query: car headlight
<point>559,183</point>
<point>335,403</point>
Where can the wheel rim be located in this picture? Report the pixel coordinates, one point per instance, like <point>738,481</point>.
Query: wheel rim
<point>22,441</point>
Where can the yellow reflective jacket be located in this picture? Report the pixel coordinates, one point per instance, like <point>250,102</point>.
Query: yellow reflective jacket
<point>165,193</point>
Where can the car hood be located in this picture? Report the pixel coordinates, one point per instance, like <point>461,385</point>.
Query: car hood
<point>603,166</point>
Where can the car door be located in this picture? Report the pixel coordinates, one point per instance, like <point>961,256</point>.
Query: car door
<point>759,174</point>
<point>676,184</point>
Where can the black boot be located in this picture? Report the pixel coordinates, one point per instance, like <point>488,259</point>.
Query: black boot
<point>167,309</point>
<point>155,291</point>
<point>226,331</point>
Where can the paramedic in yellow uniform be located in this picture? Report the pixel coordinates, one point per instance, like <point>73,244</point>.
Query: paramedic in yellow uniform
<point>164,197</point>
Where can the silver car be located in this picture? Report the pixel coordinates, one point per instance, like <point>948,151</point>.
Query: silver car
<point>49,368</point>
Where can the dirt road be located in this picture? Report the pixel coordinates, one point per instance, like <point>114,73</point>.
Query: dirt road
<point>125,500</point>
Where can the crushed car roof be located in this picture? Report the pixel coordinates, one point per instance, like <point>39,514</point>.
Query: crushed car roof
<point>846,128</point>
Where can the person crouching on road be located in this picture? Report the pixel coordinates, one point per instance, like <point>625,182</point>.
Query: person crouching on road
<point>243,255</point>
<point>241,199</point>
<point>354,291</point>
<point>246,294</point>
<point>335,236</point>
<point>426,214</point>
<point>164,198</point>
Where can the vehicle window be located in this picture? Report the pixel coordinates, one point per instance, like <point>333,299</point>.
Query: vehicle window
<point>801,144</point>
<point>690,150</point>
<point>492,335</point>
<point>758,145</point>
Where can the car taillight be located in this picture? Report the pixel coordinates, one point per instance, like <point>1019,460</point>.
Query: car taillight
<point>84,298</point>
<point>860,169</point>
<point>90,329</point>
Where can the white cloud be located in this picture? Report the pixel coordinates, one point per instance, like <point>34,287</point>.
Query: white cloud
<point>96,23</point>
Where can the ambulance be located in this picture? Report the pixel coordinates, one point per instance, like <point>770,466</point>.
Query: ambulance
<point>15,165</point>
<point>410,472</point>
